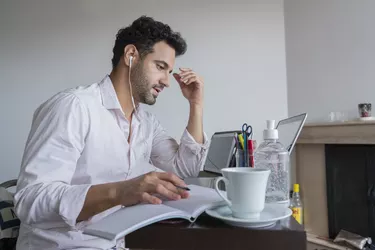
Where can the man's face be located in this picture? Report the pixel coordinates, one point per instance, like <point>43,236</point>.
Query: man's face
<point>150,75</point>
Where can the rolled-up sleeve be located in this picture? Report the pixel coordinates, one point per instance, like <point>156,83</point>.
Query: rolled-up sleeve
<point>44,195</point>
<point>184,159</point>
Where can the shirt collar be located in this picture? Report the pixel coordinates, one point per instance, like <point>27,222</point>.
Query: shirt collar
<point>108,93</point>
<point>109,96</point>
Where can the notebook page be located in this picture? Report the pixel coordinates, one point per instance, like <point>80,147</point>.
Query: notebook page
<point>200,199</point>
<point>129,219</point>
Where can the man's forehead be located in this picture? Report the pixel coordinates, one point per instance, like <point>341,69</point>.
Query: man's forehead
<point>164,52</point>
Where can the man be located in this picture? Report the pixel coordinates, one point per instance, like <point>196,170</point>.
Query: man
<point>93,149</point>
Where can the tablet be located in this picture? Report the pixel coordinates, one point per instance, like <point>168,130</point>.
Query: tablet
<point>220,151</point>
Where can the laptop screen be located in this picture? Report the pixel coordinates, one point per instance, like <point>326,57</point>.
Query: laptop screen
<point>289,130</point>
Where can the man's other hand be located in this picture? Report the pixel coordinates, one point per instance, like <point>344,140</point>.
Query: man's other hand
<point>191,86</point>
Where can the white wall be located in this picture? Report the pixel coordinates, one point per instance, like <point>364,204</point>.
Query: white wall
<point>330,50</point>
<point>47,46</point>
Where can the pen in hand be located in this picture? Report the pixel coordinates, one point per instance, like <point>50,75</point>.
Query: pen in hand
<point>184,188</point>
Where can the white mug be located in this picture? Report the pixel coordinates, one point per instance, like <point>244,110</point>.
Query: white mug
<point>247,188</point>
<point>227,187</point>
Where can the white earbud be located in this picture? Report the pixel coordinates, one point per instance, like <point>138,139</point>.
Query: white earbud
<point>130,61</point>
<point>130,84</point>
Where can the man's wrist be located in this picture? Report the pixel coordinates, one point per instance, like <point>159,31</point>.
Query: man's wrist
<point>100,198</point>
<point>196,107</point>
<point>114,193</point>
<point>195,123</point>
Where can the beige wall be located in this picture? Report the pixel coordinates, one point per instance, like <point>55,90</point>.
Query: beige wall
<point>330,56</point>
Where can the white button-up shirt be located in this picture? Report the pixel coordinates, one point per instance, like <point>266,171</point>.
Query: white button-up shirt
<point>79,138</point>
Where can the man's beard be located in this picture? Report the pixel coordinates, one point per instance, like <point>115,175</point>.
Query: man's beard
<point>141,86</point>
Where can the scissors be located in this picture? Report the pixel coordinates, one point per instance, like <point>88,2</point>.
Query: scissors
<point>247,131</point>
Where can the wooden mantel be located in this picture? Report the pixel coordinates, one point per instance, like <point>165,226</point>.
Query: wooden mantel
<point>351,132</point>
<point>310,166</point>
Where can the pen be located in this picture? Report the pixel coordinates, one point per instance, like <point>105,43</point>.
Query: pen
<point>246,154</point>
<point>250,147</point>
<point>184,188</point>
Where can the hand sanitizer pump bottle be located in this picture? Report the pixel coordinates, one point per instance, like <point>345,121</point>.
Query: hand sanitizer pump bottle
<point>272,155</point>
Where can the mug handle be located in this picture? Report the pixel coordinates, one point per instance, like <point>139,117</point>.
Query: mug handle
<point>219,191</point>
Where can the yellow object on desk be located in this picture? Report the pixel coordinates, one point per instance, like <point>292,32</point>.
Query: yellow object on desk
<point>241,140</point>
<point>296,204</point>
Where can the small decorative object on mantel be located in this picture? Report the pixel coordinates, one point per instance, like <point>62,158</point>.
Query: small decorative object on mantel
<point>364,110</point>
<point>338,116</point>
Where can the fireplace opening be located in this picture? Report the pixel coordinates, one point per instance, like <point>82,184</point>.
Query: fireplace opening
<point>350,179</point>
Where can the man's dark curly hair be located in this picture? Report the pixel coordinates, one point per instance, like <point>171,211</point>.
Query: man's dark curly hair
<point>143,33</point>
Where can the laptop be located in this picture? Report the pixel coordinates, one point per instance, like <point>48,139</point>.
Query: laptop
<point>221,150</point>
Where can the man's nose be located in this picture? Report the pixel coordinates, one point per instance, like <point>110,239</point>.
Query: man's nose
<point>165,81</point>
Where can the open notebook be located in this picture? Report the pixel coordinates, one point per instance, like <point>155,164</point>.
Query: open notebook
<point>129,219</point>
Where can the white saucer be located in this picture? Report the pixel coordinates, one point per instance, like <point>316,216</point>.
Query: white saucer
<point>268,217</point>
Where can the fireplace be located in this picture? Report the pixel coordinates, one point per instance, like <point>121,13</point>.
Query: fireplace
<point>334,163</point>
<point>350,175</point>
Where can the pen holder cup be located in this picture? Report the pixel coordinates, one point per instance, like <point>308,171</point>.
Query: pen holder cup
<point>240,159</point>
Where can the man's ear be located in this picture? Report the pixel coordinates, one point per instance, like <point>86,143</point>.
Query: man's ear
<point>130,51</point>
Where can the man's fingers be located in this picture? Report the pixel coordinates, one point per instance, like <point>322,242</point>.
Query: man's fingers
<point>158,185</point>
<point>171,178</point>
<point>185,69</point>
<point>190,80</point>
<point>146,197</point>
<point>176,75</point>
<point>178,78</point>
<point>161,189</point>
<point>186,77</point>
<point>200,80</point>
<point>183,193</point>
<point>186,73</point>
<point>170,186</point>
